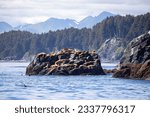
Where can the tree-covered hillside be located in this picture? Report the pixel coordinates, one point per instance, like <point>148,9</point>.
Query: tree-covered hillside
<point>15,44</point>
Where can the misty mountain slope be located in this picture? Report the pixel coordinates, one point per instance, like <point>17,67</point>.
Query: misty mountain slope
<point>52,24</point>
<point>5,27</point>
<point>90,21</point>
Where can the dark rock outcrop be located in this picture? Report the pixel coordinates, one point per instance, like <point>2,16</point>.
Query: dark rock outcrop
<point>134,71</point>
<point>138,50</point>
<point>110,71</point>
<point>66,62</point>
<point>135,63</point>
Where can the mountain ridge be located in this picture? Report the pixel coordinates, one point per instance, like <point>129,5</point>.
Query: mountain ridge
<point>54,24</point>
<point>5,27</point>
<point>90,21</point>
<point>17,44</point>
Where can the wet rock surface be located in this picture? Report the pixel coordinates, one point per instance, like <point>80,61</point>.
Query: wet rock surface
<point>134,71</point>
<point>66,62</point>
<point>135,63</point>
<point>110,71</point>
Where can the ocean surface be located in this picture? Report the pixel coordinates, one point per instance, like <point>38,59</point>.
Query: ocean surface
<point>15,85</point>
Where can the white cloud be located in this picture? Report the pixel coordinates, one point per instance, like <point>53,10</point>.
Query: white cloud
<point>33,11</point>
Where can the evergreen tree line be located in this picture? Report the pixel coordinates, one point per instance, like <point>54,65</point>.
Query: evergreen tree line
<point>15,44</point>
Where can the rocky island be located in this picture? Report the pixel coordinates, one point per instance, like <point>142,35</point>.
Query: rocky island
<point>135,63</point>
<point>66,62</point>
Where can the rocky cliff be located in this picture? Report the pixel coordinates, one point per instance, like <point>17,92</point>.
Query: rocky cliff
<point>135,62</point>
<point>112,49</point>
<point>66,62</point>
<point>138,50</point>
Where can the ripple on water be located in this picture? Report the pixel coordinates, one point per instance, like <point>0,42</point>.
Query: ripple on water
<point>15,85</point>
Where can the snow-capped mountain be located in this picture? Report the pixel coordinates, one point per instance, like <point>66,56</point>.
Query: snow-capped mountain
<point>90,21</point>
<point>54,24</point>
<point>50,24</point>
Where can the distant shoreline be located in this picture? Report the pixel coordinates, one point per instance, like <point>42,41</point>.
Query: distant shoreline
<point>24,61</point>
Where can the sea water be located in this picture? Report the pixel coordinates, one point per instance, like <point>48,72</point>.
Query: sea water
<point>15,85</point>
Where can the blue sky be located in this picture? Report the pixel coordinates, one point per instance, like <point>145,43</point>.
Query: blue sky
<point>18,12</point>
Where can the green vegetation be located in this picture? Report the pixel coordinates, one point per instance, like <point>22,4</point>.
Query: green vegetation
<point>14,44</point>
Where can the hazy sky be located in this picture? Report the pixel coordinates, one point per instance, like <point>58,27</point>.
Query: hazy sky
<point>32,11</point>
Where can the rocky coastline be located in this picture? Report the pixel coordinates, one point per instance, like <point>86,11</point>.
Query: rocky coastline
<point>135,63</point>
<point>66,62</point>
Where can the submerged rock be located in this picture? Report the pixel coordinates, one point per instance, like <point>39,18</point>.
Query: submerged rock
<point>135,63</point>
<point>66,62</point>
<point>110,71</point>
